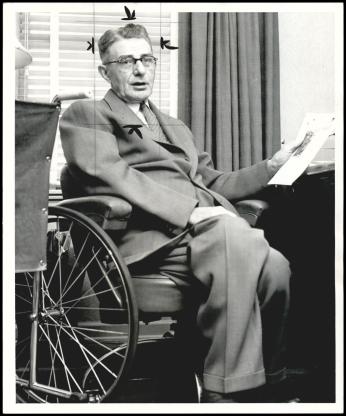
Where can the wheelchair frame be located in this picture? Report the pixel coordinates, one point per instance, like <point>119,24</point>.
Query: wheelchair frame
<point>118,279</point>
<point>54,311</point>
<point>47,314</point>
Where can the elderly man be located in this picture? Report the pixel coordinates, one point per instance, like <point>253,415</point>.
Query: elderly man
<point>182,216</point>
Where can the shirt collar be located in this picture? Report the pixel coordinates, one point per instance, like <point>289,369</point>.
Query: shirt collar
<point>135,106</point>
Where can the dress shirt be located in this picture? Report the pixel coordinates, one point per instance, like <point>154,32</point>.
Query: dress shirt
<point>135,107</point>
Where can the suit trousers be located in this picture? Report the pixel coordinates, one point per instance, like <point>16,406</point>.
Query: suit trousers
<point>243,313</point>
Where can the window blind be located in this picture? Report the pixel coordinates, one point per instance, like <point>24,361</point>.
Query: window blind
<point>34,34</point>
<point>58,43</point>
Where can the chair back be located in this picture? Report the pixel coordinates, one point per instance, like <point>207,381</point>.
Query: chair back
<point>69,187</point>
<point>35,130</point>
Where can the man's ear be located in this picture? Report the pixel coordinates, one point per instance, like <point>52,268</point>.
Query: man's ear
<point>103,72</point>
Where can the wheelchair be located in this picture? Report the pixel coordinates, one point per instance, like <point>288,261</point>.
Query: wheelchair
<point>78,308</point>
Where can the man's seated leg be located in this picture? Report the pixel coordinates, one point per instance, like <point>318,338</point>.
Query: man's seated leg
<point>227,256</point>
<point>235,262</point>
<point>230,261</point>
<point>273,294</point>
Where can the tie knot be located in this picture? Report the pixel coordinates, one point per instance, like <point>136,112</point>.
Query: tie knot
<point>153,123</point>
<point>143,106</point>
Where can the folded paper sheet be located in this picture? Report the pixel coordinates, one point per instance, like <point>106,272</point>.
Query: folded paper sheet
<point>315,130</point>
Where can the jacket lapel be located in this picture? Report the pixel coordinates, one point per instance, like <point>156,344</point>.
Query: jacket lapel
<point>175,132</point>
<point>173,128</point>
<point>124,116</point>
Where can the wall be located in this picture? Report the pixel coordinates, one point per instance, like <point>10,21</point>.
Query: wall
<point>307,71</point>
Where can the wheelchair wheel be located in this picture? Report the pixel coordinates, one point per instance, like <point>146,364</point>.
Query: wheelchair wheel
<point>79,338</point>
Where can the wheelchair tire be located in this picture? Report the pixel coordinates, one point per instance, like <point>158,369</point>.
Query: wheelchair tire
<point>86,318</point>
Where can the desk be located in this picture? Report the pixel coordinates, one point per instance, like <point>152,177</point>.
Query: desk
<point>300,224</point>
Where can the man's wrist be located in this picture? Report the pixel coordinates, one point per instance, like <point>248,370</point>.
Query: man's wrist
<point>272,167</point>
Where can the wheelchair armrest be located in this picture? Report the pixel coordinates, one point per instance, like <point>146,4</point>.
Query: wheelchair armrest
<point>251,210</point>
<point>109,212</point>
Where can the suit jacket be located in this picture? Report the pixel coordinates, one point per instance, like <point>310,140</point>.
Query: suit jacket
<point>160,180</point>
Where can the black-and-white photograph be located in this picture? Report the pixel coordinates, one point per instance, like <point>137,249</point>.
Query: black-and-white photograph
<point>165,250</point>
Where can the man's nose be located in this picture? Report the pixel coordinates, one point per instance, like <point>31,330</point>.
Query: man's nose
<point>139,68</point>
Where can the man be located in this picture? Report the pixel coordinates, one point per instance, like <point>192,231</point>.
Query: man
<point>181,213</point>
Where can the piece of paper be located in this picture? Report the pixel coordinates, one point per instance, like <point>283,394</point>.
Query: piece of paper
<point>313,133</point>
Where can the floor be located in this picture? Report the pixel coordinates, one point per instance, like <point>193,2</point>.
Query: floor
<point>161,374</point>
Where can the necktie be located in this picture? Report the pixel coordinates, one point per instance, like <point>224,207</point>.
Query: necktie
<point>153,123</point>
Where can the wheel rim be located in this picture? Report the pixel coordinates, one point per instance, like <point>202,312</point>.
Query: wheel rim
<point>87,322</point>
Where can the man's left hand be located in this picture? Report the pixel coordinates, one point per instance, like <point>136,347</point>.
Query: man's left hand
<point>282,156</point>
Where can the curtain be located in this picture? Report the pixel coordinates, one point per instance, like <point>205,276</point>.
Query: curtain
<point>229,85</point>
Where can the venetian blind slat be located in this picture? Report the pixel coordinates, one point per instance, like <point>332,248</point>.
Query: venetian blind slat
<point>76,66</point>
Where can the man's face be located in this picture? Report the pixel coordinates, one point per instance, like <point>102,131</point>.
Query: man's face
<point>133,84</point>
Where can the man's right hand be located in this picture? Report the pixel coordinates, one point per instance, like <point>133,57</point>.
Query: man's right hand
<point>203,213</point>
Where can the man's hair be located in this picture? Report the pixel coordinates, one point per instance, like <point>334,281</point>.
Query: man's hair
<point>126,32</point>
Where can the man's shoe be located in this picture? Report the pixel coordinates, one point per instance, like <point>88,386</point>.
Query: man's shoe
<point>263,394</point>
<point>215,397</point>
<point>267,394</point>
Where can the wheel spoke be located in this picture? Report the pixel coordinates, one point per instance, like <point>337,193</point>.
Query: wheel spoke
<point>85,283</point>
<point>46,293</point>
<point>91,354</point>
<point>23,340</point>
<point>105,275</point>
<point>28,362</point>
<point>52,273</point>
<point>80,274</point>
<point>61,360</point>
<point>90,308</point>
<point>102,331</point>
<point>59,256</point>
<point>84,350</point>
<point>81,331</point>
<point>62,354</point>
<point>76,300</point>
<point>28,284</point>
<point>75,329</point>
<point>23,312</point>
<point>22,285</point>
<point>52,356</point>
<point>25,300</point>
<point>77,259</point>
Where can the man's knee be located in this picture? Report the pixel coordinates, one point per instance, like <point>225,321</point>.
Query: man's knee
<point>250,242</point>
<point>230,241</point>
<point>281,268</point>
<point>231,220</point>
<point>231,227</point>
<point>275,277</point>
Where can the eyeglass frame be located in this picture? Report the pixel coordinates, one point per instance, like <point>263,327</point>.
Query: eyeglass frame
<point>134,60</point>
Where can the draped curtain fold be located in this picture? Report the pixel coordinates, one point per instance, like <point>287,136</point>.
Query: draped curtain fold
<point>229,85</point>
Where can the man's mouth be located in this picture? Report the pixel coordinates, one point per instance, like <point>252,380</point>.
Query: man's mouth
<point>139,84</point>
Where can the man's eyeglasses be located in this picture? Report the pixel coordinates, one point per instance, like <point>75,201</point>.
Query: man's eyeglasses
<point>129,62</point>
